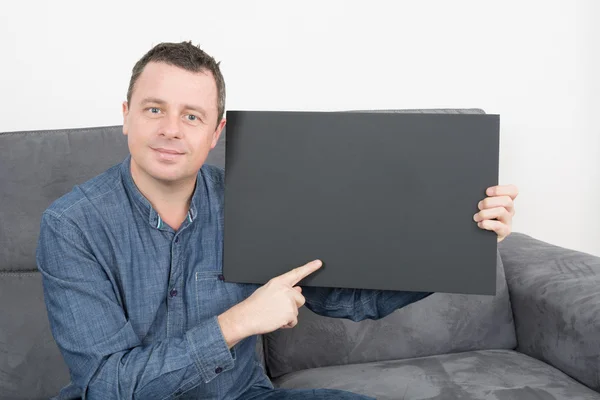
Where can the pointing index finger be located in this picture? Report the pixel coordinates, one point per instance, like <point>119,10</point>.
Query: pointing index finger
<point>297,274</point>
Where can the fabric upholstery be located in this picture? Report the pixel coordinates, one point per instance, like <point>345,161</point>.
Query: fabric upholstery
<point>439,324</point>
<point>556,301</point>
<point>38,167</point>
<point>478,375</point>
<point>31,366</point>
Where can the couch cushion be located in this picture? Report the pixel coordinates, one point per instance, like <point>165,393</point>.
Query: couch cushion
<point>488,374</point>
<point>31,367</point>
<point>439,324</point>
<point>38,167</point>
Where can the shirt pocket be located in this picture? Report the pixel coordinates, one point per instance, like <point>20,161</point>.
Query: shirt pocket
<point>215,296</point>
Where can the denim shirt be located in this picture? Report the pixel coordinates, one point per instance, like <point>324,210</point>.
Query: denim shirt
<point>133,304</point>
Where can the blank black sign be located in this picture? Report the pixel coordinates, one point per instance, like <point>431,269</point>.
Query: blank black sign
<point>386,200</point>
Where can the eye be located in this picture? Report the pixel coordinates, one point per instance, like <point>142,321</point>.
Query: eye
<point>154,110</point>
<point>193,119</point>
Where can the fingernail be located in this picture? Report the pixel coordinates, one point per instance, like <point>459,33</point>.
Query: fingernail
<point>475,217</point>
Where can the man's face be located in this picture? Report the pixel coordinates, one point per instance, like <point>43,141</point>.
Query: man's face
<point>170,122</point>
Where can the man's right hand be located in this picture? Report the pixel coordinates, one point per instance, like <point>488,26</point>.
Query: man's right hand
<point>272,306</point>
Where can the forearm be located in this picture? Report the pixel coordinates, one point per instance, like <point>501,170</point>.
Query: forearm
<point>155,371</point>
<point>233,327</point>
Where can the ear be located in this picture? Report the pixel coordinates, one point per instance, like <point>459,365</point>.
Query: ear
<point>125,119</point>
<point>217,133</point>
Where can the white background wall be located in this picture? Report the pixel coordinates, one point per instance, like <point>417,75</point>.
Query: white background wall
<point>536,63</point>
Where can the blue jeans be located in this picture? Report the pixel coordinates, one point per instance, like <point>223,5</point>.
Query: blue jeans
<point>301,394</point>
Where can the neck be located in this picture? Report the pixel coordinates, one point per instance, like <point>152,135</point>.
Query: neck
<point>171,200</point>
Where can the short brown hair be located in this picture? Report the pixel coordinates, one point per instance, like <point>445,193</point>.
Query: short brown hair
<point>183,55</point>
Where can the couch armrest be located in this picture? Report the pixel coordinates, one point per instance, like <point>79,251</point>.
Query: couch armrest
<point>555,297</point>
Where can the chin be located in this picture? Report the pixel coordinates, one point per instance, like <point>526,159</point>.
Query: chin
<point>168,176</point>
<point>163,172</point>
<point>167,172</point>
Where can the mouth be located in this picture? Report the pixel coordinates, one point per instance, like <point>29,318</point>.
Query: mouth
<point>167,151</point>
<point>168,156</point>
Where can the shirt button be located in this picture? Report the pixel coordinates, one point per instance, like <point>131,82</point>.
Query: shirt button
<point>177,239</point>
<point>173,293</point>
<point>221,277</point>
<point>218,370</point>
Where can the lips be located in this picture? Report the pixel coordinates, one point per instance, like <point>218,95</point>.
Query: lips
<point>167,155</point>
<point>167,151</point>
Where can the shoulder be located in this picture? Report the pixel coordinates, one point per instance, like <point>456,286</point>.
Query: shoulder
<point>83,197</point>
<point>214,178</point>
<point>214,174</point>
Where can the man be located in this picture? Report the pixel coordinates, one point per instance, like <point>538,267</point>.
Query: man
<point>131,260</point>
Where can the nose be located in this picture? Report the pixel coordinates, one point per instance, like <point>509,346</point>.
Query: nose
<point>170,127</point>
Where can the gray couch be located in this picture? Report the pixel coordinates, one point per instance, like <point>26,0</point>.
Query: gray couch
<point>538,338</point>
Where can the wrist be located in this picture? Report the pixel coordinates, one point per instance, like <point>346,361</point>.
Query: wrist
<point>233,327</point>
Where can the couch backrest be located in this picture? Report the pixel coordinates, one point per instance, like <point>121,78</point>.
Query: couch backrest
<point>35,169</point>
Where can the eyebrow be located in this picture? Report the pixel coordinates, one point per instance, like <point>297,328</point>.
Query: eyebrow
<point>156,100</point>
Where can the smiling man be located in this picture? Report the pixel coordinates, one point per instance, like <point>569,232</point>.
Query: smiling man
<point>131,260</point>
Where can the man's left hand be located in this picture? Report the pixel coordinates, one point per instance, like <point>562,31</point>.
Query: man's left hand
<point>497,210</point>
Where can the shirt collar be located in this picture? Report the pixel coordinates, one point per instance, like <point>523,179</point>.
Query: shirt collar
<point>144,206</point>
